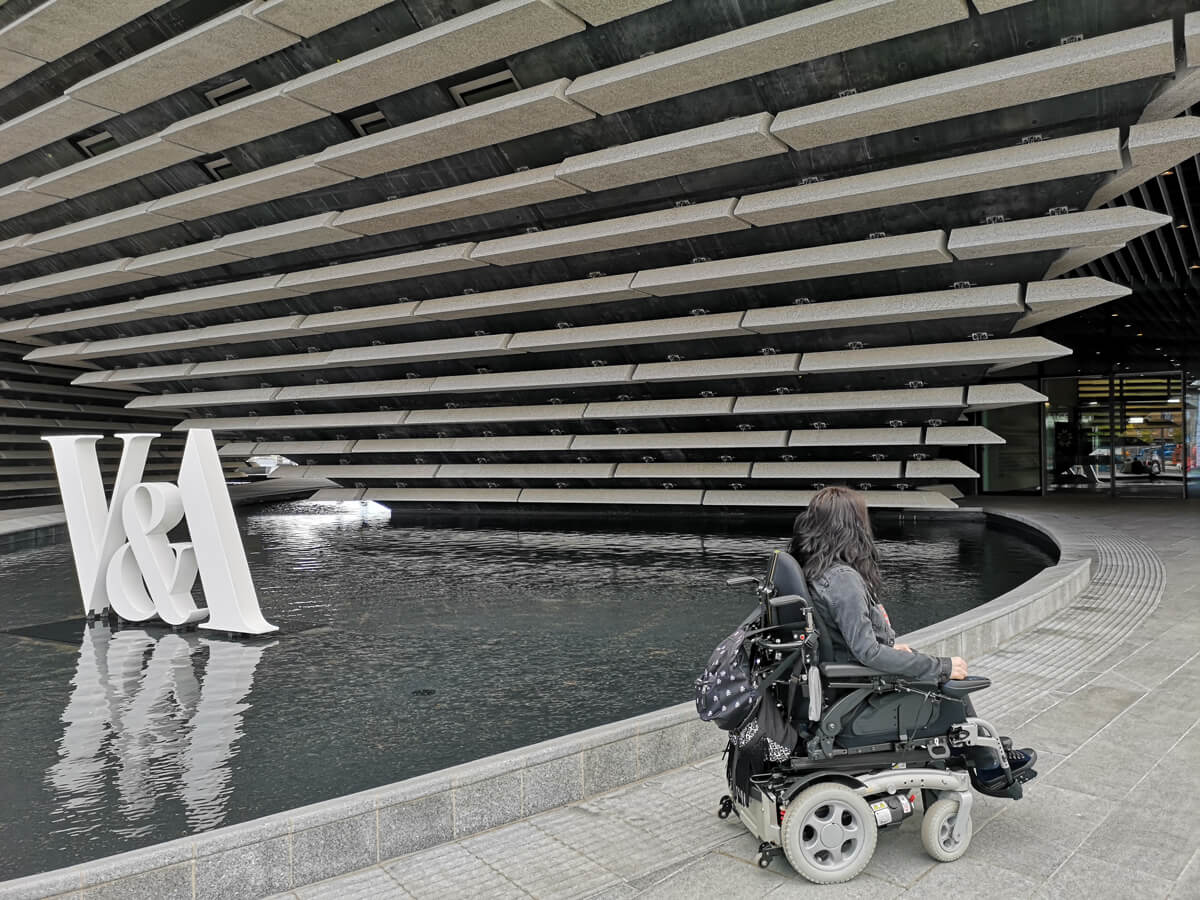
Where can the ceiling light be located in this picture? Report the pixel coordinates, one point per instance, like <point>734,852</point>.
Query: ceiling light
<point>1140,334</point>
<point>1114,315</point>
<point>1194,266</point>
<point>1169,172</point>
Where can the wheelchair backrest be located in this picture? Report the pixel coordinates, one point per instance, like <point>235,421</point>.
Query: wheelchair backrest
<point>785,576</point>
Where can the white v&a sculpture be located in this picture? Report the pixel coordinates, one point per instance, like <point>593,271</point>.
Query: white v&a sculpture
<point>123,556</point>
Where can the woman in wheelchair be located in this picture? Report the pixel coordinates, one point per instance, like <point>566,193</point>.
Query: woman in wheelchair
<point>834,728</point>
<point>833,542</point>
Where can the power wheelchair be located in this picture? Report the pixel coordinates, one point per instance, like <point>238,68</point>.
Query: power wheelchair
<point>867,743</point>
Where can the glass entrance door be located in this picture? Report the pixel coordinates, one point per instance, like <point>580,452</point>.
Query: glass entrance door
<point>1191,427</point>
<point>1121,435</point>
<point>1078,415</point>
<point>1148,448</point>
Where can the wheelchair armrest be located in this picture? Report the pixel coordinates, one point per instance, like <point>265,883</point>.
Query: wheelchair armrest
<point>963,686</point>
<point>839,671</point>
<point>788,600</point>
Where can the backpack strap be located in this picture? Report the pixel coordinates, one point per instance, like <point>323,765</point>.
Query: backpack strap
<point>779,670</point>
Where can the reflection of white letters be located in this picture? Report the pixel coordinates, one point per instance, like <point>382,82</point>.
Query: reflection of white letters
<point>159,730</point>
<point>215,726</point>
<point>147,734</point>
<point>122,554</point>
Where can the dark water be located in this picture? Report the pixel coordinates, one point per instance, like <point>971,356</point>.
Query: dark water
<point>402,650</point>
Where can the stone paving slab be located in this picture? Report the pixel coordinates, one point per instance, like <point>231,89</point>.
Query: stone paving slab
<point>1108,690</point>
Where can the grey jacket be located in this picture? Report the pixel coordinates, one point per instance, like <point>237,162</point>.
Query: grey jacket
<point>860,630</point>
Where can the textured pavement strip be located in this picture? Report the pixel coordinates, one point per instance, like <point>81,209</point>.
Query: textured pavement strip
<point>1126,588</point>
<point>1116,719</point>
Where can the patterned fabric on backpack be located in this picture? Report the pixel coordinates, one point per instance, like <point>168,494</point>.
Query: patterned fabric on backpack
<point>725,690</point>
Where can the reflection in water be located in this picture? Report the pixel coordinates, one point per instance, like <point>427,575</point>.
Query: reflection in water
<point>139,716</point>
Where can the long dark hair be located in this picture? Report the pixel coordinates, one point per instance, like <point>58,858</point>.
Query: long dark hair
<point>835,529</point>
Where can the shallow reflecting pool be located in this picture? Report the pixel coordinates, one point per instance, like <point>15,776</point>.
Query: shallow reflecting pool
<point>402,650</point>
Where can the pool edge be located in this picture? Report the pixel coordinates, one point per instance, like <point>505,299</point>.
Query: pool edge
<point>301,846</point>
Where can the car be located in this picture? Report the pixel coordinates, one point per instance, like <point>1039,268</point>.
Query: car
<point>1134,457</point>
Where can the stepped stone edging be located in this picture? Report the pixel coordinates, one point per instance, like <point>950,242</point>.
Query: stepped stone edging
<point>23,528</point>
<point>39,536</point>
<point>312,843</point>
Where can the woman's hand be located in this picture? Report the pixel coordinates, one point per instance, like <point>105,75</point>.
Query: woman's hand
<point>958,668</point>
<point>904,647</point>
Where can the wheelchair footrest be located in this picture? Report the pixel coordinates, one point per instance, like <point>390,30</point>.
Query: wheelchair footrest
<point>1011,789</point>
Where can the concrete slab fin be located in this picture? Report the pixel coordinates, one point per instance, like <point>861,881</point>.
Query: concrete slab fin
<point>464,42</point>
<point>113,167</point>
<point>477,198</point>
<point>1097,227</point>
<point>1049,300</point>
<point>224,42</point>
<point>122,223</point>
<point>16,199</point>
<point>1128,55</point>
<point>675,223</point>
<point>309,17</point>
<point>822,30</point>
<point>260,186</point>
<point>384,268</point>
<point>925,248</point>
<point>989,170</point>
<point>50,31</point>
<point>47,123</point>
<point>926,306</point>
<point>241,121</point>
<point>494,121</point>
<point>706,147</point>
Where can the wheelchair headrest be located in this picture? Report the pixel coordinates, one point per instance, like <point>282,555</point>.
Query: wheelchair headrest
<point>785,576</point>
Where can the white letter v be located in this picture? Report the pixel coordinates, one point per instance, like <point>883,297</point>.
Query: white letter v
<point>95,527</point>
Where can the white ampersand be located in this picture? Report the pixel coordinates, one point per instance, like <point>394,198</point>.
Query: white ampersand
<point>150,575</point>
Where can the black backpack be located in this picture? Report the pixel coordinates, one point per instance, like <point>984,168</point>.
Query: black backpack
<point>725,690</point>
<point>726,693</point>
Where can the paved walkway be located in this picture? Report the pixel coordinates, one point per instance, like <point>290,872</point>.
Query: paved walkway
<point>1108,691</point>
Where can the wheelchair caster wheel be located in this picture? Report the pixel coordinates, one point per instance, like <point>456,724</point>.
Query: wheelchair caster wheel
<point>937,831</point>
<point>766,853</point>
<point>726,807</point>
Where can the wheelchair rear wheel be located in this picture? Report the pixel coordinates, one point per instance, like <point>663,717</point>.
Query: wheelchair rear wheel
<point>829,833</point>
<point>937,831</point>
